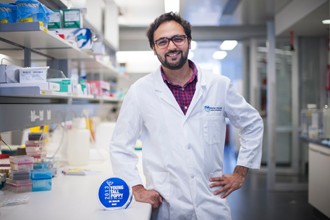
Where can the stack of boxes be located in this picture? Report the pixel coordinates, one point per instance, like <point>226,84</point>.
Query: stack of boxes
<point>67,24</point>
<point>29,172</point>
<point>35,146</point>
<point>19,175</point>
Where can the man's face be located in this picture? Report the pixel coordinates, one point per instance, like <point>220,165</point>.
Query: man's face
<point>172,54</point>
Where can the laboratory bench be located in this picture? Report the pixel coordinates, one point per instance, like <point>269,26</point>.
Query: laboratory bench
<point>319,175</point>
<point>71,197</point>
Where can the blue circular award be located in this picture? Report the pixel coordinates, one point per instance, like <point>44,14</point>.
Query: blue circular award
<point>115,193</point>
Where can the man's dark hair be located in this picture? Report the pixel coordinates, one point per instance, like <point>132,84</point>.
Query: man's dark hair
<point>170,16</point>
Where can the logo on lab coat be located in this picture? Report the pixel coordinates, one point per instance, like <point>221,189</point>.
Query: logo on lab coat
<point>208,108</point>
<point>114,193</point>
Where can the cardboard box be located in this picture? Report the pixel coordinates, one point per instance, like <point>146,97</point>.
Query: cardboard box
<point>65,84</point>
<point>55,20</point>
<point>72,18</point>
<point>99,88</point>
<point>33,74</point>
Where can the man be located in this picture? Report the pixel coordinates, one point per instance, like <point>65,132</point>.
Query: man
<point>179,114</point>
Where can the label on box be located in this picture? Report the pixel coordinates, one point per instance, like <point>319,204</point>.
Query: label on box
<point>55,20</point>
<point>71,18</point>
<point>114,193</point>
<point>31,74</point>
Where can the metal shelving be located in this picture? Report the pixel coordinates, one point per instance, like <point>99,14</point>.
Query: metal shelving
<point>23,107</point>
<point>42,42</point>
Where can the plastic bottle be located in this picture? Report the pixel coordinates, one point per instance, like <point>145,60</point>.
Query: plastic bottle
<point>78,143</point>
<point>326,122</point>
<point>313,121</point>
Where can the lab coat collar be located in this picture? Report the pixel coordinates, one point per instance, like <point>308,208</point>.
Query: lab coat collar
<point>165,93</point>
<point>160,86</point>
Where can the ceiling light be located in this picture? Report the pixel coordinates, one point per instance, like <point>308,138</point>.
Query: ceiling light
<point>228,45</point>
<point>219,55</point>
<point>172,5</point>
<point>326,21</point>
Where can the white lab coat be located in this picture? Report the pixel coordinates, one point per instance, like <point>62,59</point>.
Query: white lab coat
<point>180,152</point>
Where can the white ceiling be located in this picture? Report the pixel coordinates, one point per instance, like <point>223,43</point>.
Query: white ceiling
<point>209,16</point>
<point>139,13</point>
<point>210,13</point>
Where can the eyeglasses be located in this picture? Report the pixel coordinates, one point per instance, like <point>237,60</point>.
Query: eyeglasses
<point>163,42</point>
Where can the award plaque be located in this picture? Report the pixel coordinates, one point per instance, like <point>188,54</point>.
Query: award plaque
<point>114,193</point>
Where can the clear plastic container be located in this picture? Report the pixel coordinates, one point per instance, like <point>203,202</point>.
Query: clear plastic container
<point>41,185</point>
<point>41,180</point>
<point>41,174</point>
<point>78,143</point>
<point>18,182</point>
<point>18,188</point>
<point>19,175</point>
<point>21,162</point>
<point>35,143</point>
<point>311,122</point>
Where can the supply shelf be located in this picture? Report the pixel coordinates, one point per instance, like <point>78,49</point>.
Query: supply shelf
<point>24,106</point>
<point>34,91</point>
<point>32,35</point>
<point>43,42</point>
<point>20,116</point>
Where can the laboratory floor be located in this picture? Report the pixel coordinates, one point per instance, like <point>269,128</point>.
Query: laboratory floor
<point>254,202</point>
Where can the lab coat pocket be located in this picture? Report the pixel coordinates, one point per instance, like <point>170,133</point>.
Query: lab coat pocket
<point>160,183</point>
<point>212,129</point>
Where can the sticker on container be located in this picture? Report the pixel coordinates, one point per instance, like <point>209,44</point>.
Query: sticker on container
<point>114,193</point>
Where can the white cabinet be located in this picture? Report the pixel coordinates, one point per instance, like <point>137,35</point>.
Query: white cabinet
<point>319,178</point>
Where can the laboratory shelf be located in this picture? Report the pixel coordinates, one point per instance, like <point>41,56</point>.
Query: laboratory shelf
<point>34,91</point>
<point>32,35</point>
<point>95,66</point>
<point>23,106</point>
<point>20,116</point>
<point>44,42</point>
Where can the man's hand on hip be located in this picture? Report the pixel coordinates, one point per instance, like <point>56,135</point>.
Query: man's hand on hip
<point>148,196</point>
<point>229,183</point>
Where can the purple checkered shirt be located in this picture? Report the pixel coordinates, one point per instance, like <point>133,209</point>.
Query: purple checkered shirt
<point>183,94</point>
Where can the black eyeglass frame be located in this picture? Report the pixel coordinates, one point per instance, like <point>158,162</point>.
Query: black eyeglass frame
<point>170,39</point>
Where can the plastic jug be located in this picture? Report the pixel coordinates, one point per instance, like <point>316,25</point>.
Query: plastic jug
<point>78,143</point>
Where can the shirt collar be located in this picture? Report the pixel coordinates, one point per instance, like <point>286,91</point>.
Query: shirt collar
<point>193,77</point>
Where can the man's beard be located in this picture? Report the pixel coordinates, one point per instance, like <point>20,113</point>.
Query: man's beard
<point>174,66</point>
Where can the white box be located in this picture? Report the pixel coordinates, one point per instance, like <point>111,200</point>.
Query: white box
<point>8,73</point>
<point>33,74</point>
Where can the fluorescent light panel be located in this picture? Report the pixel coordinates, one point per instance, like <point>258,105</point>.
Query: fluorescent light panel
<point>326,21</point>
<point>228,45</point>
<point>219,55</point>
<point>172,5</point>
